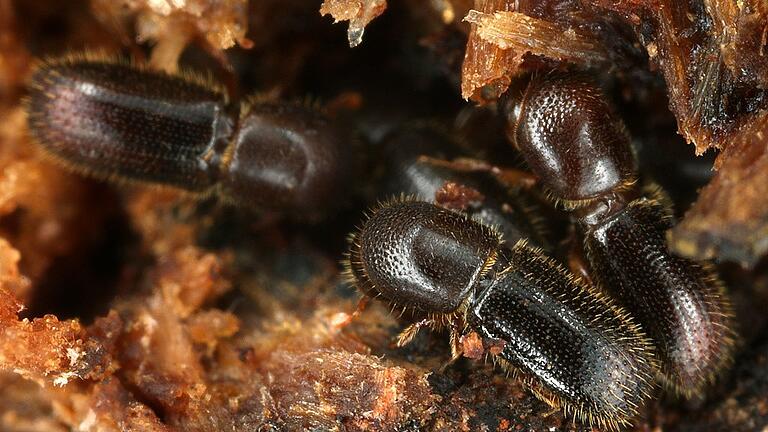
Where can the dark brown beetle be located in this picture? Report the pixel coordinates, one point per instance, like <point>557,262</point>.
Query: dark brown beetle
<point>574,142</point>
<point>574,347</point>
<point>117,121</point>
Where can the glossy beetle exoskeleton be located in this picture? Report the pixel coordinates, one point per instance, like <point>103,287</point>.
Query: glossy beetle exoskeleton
<point>408,174</point>
<point>573,140</point>
<point>572,345</point>
<point>117,121</point>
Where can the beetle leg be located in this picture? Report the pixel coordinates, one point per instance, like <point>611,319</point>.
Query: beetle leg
<point>406,336</point>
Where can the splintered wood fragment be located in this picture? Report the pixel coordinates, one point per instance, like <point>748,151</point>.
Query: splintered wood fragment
<point>358,12</point>
<point>523,34</point>
<point>472,346</point>
<point>729,221</point>
<point>457,196</point>
<point>487,69</point>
